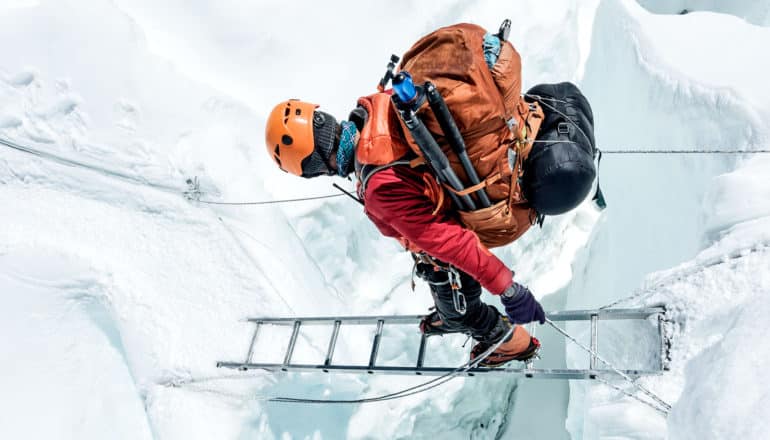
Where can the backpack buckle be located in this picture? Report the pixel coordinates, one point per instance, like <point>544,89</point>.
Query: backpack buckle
<point>563,128</point>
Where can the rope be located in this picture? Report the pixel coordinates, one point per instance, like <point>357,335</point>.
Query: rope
<point>616,151</point>
<point>191,194</point>
<point>664,407</point>
<point>270,202</point>
<point>138,180</point>
<point>715,261</point>
<point>416,389</point>
<point>632,395</point>
<point>693,151</point>
<point>425,386</point>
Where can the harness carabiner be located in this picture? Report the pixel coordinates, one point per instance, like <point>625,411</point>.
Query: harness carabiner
<point>458,298</point>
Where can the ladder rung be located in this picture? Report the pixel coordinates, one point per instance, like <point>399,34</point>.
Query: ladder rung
<point>594,340</point>
<point>421,352</point>
<point>663,343</point>
<point>253,340</point>
<point>332,343</point>
<point>292,343</point>
<point>376,343</point>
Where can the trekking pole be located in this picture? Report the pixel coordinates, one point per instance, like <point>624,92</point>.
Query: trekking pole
<point>388,74</point>
<point>407,99</point>
<point>454,138</point>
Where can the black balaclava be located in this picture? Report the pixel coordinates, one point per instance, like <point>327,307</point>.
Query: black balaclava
<point>324,131</point>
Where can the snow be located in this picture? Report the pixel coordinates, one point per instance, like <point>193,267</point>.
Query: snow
<point>115,290</point>
<point>752,11</point>
<point>701,215</point>
<point>68,348</point>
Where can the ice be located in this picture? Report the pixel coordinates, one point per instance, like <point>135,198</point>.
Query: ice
<point>65,366</point>
<point>120,295</point>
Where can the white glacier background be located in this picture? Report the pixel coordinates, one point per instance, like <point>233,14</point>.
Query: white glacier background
<point>114,287</point>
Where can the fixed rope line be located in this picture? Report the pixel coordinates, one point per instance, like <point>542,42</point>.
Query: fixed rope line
<point>420,388</point>
<point>270,202</point>
<point>664,407</point>
<point>633,396</point>
<point>616,152</point>
<point>91,167</point>
<point>688,272</point>
<point>195,194</point>
<point>702,151</point>
<point>416,389</point>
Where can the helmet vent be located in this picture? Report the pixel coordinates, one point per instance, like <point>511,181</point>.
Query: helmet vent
<point>286,139</point>
<point>277,151</point>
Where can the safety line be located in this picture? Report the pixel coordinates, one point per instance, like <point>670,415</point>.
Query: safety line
<point>665,407</point>
<point>632,395</point>
<point>94,168</point>
<point>694,270</point>
<point>684,151</point>
<point>270,202</point>
<point>416,389</point>
<point>141,181</point>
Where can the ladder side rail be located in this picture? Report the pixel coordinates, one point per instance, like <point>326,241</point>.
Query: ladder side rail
<point>565,315</point>
<point>542,373</point>
<point>347,320</point>
<point>607,314</point>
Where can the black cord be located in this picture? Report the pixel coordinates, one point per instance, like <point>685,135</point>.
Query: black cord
<point>270,202</point>
<point>715,151</point>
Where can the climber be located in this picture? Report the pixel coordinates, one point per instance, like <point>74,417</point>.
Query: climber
<point>403,199</point>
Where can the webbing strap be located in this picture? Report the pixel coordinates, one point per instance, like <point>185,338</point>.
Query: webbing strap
<point>472,189</point>
<point>367,172</point>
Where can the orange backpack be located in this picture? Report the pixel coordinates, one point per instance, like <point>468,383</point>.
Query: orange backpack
<point>498,126</point>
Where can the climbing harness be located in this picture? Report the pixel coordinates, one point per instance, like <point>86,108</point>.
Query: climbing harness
<point>453,279</point>
<point>458,298</point>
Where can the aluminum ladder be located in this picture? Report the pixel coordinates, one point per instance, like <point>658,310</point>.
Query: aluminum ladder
<point>527,370</point>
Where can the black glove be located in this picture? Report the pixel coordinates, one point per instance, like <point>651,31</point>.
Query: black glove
<point>521,306</point>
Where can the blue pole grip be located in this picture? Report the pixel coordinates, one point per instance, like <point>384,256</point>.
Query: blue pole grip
<point>403,85</point>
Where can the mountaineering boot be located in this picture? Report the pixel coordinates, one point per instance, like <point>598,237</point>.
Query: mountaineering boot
<point>432,324</point>
<point>520,346</point>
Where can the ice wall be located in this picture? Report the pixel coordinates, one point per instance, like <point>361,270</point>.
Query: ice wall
<point>752,11</point>
<point>649,91</point>
<point>152,287</point>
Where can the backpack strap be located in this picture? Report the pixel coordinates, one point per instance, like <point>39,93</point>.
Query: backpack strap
<point>367,171</point>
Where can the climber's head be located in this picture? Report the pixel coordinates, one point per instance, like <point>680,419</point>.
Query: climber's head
<point>301,139</point>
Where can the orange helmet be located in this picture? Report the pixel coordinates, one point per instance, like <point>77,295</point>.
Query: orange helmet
<point>300,139</point>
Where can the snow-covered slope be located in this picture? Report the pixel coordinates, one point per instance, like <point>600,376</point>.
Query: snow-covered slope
<point>668,210</point>
<point>115,288</point>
